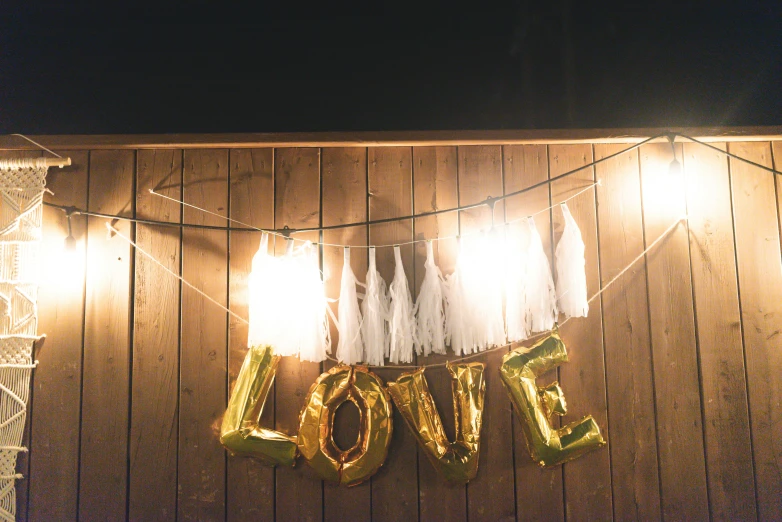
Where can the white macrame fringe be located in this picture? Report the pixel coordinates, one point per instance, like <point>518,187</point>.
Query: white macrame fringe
<point>350,348</point>
<point>430,317</point>
<point>402,321</point>
<point>571,269</point>
<point>540,297</point>
<point>376,313</point>
<point>21,192</point>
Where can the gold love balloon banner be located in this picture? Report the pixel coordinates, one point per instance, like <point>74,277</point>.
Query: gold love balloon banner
<point>534,406</point>
<point>456,461</point>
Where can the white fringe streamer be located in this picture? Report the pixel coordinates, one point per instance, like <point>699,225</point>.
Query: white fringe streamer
<point>402,322</point>
<point>515,288</point>
<point>459,333</point>
<point>540,297</point>
<point>375,309</point>
<point>350,349</point>
<point>571,269</point>
<point>430,317</point>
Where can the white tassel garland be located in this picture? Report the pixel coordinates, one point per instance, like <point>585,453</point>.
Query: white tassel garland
<point>540,296</point>
<point>350,349</point>
<point>571,269</point>
<point>430,318</point>
<point>375,309</point>
<point>402,323</point>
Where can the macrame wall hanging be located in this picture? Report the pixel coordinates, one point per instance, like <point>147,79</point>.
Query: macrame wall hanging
<point>22,184</point>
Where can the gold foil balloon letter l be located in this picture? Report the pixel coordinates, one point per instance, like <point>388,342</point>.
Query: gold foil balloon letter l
<point>534,406</point>
<point>240,432</point>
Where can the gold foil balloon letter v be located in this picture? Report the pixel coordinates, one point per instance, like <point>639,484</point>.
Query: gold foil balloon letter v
<point>316,443</point>
<point>456,461</point>
<point>534,406</point>
<point>240,432</point>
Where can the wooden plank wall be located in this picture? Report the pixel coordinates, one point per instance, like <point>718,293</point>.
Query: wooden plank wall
<point>680,362</point>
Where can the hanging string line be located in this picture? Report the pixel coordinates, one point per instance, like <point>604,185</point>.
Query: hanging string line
<point>77,211</point>
<point>182,279</point>
<point>422,240</point>
<point>731,155</point>
<point>409,367</point>
<point>37,144</point>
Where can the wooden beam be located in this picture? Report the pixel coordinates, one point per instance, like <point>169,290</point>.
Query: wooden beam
<point>385,138</point>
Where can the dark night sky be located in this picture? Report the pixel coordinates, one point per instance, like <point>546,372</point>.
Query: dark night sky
<point>197,67</point>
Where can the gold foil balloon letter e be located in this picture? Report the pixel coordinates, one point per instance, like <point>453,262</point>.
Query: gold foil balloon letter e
<point>456,461</point>
<point>534,406</point>
<point>240,432</point>
<point>316,443</point>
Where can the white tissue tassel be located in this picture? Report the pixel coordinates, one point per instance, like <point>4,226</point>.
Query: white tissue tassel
<point>261,291</point>
<point>459,331</point>
<point>540,297</point>
<point>375,309</point>
<point>350,349</point>
<point>488,290</point>
<point>571,269</point>
<point>430,318</point>
<point>515,287</point>
<point>310,306</point>
<point>402,321</point>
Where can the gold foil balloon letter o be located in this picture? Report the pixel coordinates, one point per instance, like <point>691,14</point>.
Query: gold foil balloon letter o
<point>316,443</point>
<point>534,406</point>
<point>240,432</point>
<point>456,461</point>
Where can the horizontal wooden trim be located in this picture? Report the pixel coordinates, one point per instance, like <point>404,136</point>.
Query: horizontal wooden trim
<point>383,139</point>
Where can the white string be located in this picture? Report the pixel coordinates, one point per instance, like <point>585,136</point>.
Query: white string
<point>37,144</point>
<point>412,367</point>
<point>337,245</point>
<point>184,281</point>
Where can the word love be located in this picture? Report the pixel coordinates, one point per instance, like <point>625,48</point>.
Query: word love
<point>455,461</point>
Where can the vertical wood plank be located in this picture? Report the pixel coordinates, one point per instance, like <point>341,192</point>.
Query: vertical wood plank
<point>629,379</point>
<point>395,486</point>
<point>674,356</point>
<point>57,379</point>
<point>755,217</point>
<point>539,494</point>
<point>202,400</point>
<point>250,493</point>
<point>299,492</point>
<point>718,327</point>
<point>587,480</point>
<point>344,185</point>
<point>107,332</point>
<point>491,494</point>
<point>155,379</point>
<point>436,187</point>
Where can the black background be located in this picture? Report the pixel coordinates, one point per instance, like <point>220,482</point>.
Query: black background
<point>218,67</point>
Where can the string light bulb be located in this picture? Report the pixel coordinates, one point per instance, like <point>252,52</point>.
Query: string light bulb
<point>674,168</point>
<point>70,241</point>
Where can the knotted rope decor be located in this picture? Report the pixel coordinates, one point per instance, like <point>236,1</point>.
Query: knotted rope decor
<point>22,184</point>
